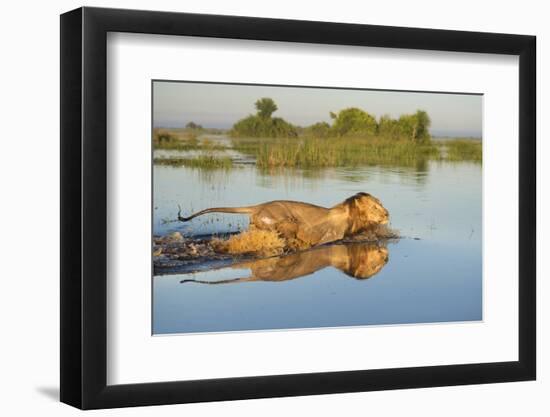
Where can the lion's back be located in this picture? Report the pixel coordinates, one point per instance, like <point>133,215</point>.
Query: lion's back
<point>296,209</point>
<point>275,212</point>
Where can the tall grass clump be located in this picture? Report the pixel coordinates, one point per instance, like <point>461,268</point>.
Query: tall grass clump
<point>204,161</point>
<point>183,140</point>
<point>313,152</point>
<point>178,139</point>
<point>464,150</point>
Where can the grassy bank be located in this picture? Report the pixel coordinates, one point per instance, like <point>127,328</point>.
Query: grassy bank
<point>309,151</point>
<point>202,161</point>
<point>464,150</point>
<point>312,152</point>
<point>183,140</point>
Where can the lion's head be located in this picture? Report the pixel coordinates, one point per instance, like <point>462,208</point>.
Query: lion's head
<point>365,211</point>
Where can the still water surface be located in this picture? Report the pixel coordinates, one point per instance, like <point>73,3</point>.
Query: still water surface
<point>432,274</point>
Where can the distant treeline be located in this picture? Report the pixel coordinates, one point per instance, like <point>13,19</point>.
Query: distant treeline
<point>182,138</point>
<point>349,122</point>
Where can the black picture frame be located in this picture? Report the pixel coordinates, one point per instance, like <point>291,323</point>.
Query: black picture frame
<point>84,207</point>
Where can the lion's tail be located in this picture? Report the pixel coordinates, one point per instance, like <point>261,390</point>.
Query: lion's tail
<point>234,210</point>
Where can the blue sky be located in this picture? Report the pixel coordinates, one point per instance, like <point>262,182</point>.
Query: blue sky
<point>220,105</point>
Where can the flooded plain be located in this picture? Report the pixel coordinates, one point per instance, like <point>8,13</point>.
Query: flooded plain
<point>433,273</point>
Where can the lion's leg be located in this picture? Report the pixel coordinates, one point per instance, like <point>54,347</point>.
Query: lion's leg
<point>263,220</point>
<point>286,228</point>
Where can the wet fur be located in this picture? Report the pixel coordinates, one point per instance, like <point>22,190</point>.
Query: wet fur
<point>304,225</point>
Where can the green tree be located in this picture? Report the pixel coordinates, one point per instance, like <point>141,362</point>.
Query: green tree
<point>193,125</point>
<point>423,126</point>
<point>388,127</point>
<point>266,107</point>
<point>415,126</point>
<point>354,121</point>
<point>407,126</point>
<point>318,130</point>
<point>262,124</point>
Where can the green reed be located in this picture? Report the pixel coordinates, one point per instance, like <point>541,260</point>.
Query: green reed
<point>202,161</point>
<point>313,152</point>
<point>464,150</point>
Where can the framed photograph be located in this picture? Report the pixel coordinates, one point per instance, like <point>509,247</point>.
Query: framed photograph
<point>258,208</point>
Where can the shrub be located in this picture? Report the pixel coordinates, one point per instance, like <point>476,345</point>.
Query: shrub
<point>161,136</point>
<point>319,130</point>
<point>353,122</point>
<point>193,125</point>
<point>257,127</point>
<point>262,124</point>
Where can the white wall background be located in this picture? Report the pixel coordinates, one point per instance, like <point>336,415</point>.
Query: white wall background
<point>30,222</point>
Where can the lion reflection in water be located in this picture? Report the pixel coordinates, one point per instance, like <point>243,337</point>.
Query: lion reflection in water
<point>357,260</point>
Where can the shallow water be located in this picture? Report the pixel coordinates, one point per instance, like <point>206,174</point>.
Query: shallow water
<point>432,274</point>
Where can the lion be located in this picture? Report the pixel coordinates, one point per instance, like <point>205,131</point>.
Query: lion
<point>310,225</point>
<point>357,260</point>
